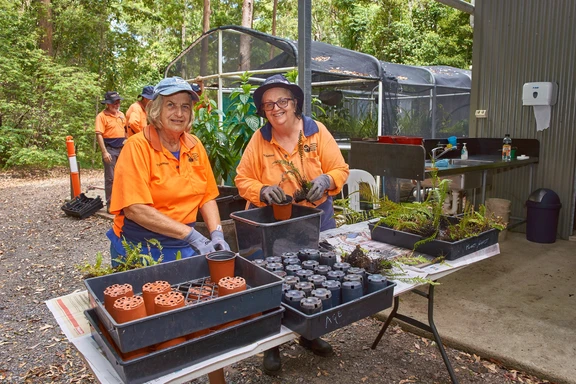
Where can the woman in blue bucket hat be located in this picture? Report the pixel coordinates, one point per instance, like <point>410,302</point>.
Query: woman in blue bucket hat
<point>262,177</point>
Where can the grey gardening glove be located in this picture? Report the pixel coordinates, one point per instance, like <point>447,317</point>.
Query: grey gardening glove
<point>199,243</point>
<point>319,186</point>
<point>272,194</point>
<point>218,241</point>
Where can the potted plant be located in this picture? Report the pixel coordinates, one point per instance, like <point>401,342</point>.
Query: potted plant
<point>421,226</point>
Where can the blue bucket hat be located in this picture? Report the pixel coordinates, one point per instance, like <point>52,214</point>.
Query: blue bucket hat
<point>147,92</point>
<point>277,81</point>
<point>172,85</point>
<point>111,97</point>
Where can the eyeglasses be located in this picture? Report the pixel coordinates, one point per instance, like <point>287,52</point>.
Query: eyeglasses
<point>281,103</point>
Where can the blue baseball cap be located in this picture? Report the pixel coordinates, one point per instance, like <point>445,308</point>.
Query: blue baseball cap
<point>147,92</point>
<point>277,81</point>
<point>172,85</point>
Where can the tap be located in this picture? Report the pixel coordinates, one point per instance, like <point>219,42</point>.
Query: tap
<point>436,156</point>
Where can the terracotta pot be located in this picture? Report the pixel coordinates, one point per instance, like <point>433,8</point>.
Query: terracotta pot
<point>199,294</point>
<point>165,302</point>
<point>114,292</point>
<point>134,354</point>
<point>230,285</point>
<point>168,301</point>
<point>197,334</point>
<point>221,264</point>
<point>283,211</point>
<point>228,324</point>
<point>151,290</point>
<point>129,308</point>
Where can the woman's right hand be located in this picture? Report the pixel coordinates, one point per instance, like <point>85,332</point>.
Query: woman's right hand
<point>272,194</point>
<point>200,243</point>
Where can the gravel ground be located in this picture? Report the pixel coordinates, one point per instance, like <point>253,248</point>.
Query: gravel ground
<point>41,247</point>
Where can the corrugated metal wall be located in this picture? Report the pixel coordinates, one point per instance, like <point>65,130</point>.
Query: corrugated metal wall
<point>516,42</point>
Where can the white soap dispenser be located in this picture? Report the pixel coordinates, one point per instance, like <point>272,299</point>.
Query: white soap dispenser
<point>464,153</point>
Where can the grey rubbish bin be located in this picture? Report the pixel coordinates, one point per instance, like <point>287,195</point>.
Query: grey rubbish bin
<point>543,209</point>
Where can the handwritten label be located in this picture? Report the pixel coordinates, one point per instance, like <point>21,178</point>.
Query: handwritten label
<point>332,319</point>
<point>477,245</point>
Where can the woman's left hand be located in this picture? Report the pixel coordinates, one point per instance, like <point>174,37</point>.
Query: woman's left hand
<point>319,186</point>
<point>218,241</point>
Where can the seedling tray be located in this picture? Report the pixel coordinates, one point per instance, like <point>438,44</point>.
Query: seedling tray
<point>82,206</point>
<point>318,324</point>
<point>265,293</point>
<point>160,363</point>
<point>260,235</point>
<point>450,250</point>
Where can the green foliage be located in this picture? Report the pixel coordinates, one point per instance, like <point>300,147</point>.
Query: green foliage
<point>337,118</point>
<point>125,45</point>
<point>135,258</point>
<point>225,135</point>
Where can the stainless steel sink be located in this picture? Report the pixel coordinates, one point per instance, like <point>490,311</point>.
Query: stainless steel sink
<point>467,180</point>
<point>468,162</point>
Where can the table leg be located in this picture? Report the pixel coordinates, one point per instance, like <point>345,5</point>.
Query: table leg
<point>484,179</point>
<point>430,327</point>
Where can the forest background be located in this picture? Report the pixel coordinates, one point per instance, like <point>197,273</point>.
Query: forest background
<point>59,57</point>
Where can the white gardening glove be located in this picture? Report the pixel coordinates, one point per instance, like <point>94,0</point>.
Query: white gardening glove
<point>199,243</point>
<point>272,194</point>
<point>218,241</point>
<point>319,186</point>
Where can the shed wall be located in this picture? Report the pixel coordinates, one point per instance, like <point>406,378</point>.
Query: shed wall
<point>515,42</point>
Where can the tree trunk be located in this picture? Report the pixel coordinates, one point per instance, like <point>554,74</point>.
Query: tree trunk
<point>247,10</point>
<point>45,23</point>
<point>205,27</point>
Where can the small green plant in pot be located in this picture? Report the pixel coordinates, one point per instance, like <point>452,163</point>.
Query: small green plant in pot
<point>291,170</point>
<point>134,259</point>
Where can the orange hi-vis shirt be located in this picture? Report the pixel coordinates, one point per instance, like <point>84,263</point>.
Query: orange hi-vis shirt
<point>321,155</point>
<point>136,119</point>
<point>110,126</point>
<point>147,173</point>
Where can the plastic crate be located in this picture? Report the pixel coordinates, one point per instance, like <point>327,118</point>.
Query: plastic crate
<point>435,248</point>
<point>265,293</point>
<point>160,363</point>
<point>82,206</point>
<point>318,324</point>
<point>260,235</point>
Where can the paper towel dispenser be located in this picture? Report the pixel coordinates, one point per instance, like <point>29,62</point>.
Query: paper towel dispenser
<point>541,93</point>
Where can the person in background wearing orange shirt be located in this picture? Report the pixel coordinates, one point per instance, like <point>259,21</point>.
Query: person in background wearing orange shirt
<point>261,177</point>
<point>163,179</point>
<point>136,114</point>
<point>110,130</point>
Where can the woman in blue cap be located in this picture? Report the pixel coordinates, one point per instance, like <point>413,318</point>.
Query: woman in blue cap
<point>163,180</point>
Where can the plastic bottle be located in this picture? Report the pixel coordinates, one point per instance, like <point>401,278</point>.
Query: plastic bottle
<point>506,148</point>
<point>464,153</point>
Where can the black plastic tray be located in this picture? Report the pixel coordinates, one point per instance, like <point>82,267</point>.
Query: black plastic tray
<point>260,235</point>
<point>450,251</point>
<point>265,293</point>
<point>160,363</point>
<point>318,324</point>
<point>82,206</point>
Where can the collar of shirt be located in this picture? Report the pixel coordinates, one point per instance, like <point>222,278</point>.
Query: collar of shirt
<point>151,135</point>
<point>310,128</point>
<point>119,114</point>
